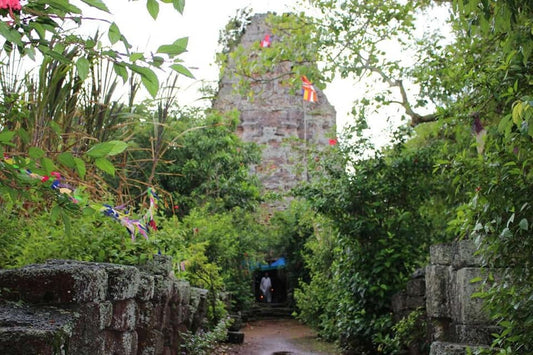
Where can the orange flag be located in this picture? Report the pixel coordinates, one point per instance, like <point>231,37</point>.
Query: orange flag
<point>309,91</point>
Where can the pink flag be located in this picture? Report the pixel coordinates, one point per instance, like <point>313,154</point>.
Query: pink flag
<point>265,43</point>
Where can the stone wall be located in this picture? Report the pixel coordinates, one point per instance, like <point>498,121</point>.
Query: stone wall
<point>275,117</point>
<point>71,307</point>
<point>455,319</point>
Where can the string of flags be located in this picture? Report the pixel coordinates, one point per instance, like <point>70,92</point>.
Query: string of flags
<point>120,214</point>
<point>134,226</point>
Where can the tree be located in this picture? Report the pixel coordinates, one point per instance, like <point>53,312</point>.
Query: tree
<point>210,165</point>
<point>60,119</point>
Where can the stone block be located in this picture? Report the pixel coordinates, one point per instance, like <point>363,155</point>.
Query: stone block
<point>464,254</point>
<point>419,273</point>
<point>160,265</point>
<point>184,291</point>
<point>121,343</point>
<point>59,282</point>
<point>87,336</point>
<point>150,342</point>
<point>441,254</point>
<point>437,281</point>
<point>465,308</point>
<point>29,329</point>
<point>124,315</point>
<point>98,314</point>
<point>474,334</point>
<point>123,281</point>
<point>440,329</point>
<point>415,302</point>
<point>416,287</point>
<point>17,341</point>
<point>443,348</point>
<point>158,313</point>
<point>235,337</point>
<point>146,315</point>
<point>162,288</point>
<point>198,307</point>
<point>146,287</point>
<point>399,302</point>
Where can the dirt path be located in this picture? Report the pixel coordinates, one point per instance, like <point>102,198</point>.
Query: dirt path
<point>278,337</point>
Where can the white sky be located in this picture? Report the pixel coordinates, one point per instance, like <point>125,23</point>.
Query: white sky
<point>202,21</point>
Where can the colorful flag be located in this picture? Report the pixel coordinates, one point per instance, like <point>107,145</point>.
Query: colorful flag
<point>265,43</point>
<point>308,90</point>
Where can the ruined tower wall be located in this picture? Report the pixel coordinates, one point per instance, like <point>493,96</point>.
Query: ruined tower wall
<point>275,117</point>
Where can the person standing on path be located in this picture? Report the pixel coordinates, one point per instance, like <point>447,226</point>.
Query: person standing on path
<point>265,287</point>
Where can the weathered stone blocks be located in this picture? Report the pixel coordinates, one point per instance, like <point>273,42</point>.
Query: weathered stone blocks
<point>456,318</point>
<point>70,307</point>
<point>123,281</point>
<point>58,283</point>
<point>271,126</point>
<point>444,348</point>
<point>121,343</point>
<point>456,315</point>
<point>124,315</point>
<point>437,300</point>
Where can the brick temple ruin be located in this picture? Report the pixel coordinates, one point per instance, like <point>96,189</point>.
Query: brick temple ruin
<point>275,117</point>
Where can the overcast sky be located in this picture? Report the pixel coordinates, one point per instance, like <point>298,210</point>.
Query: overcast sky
<point>202,21</point>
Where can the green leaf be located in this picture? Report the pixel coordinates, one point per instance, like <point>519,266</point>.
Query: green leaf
<point>48,165</point>
<point>182,70</point>
<point>114,33</point>
<point>105,165</point>
<point>179,5</point>
<point>136,56</point>
<point>518,109</point>
<point>10,34</point>
<point>64,5</point>
<point>476,279</point>
<point>148,78</point>
<point>82,64</point>
<point>67,160</point>
<point>153,8</point>
<point>80,167</point>
<point>6,136</point>
<point>35,153</point>
<point>55,213</point>
<point>117,147</point>
<point>55,127</point>
<point>97,4</point>
<point>66,222</point>
<point>104,149</point>
<point>157,61</point>
<point>24,135</point>
<point>179,46</point>
<point>523,224</point>
<point>121,71</point>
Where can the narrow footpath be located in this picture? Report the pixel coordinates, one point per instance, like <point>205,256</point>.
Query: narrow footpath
<point>278,337</point>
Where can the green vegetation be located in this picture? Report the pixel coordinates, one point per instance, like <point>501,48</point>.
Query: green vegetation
<point>460,167</point>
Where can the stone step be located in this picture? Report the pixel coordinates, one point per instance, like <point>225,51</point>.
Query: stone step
<point>270,310</point>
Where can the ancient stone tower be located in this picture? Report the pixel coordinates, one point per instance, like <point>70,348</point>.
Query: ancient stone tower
<point>276,119</point>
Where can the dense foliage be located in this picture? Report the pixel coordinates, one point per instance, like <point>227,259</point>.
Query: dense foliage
<point>463,172</point>
<point>460,168</point>
<point>74,157</point>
